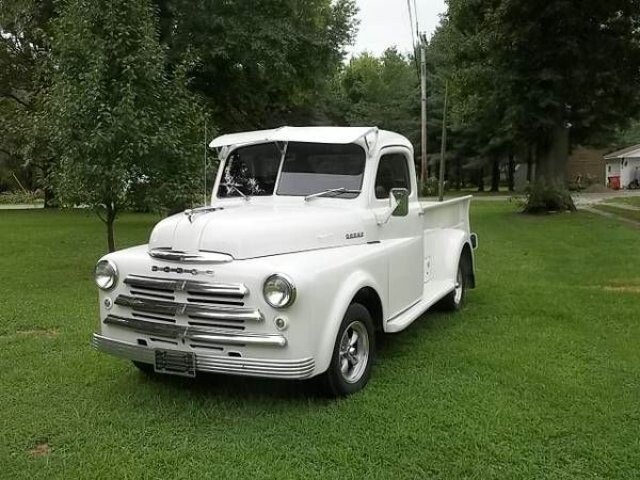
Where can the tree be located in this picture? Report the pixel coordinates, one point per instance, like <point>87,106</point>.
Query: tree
<point>624,137</point>
<point>119,119</point>
<point>566,70</point>
<point>24,79</point>
<point>261,63</point>
<point>382,91</point>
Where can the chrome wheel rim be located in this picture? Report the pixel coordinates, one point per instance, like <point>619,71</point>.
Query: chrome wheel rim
<point>457,293</point>
<point>353,354</point>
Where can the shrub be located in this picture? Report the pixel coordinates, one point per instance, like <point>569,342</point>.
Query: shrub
<point>13,198</point>
<point>545,197</point>
<point>430,188</point>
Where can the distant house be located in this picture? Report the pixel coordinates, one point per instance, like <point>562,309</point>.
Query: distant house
<point>622,168</point>
<point>585,166</point>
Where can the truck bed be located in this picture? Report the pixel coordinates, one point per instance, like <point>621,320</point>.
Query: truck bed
<point>453,213</point>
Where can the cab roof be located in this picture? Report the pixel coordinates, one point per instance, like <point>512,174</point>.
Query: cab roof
<point>370,137</point>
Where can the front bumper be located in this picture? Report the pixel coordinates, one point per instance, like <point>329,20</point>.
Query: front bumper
<point>254,367</point>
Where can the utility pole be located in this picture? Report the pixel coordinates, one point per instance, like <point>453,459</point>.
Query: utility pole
<point>443,146</point>
<point>204,196</point>
<point>423,99</point>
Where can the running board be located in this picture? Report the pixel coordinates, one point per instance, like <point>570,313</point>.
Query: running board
<point>433,292</point>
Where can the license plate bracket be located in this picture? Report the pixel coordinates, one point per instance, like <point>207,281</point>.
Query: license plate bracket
<point>175,362</point>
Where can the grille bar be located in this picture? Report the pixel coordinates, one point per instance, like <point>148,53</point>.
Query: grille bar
<point>196,333</point>
<point>191,286</point>
<point>207,312</point>
<point>147,305</point>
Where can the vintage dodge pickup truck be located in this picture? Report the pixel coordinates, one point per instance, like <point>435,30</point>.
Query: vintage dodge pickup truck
<point>314,241</point>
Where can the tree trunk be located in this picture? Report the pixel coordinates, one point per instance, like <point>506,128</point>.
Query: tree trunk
<point>49,194</point>
<point>552,158</point>
<point>549,193</point>
<point>511,173</point>
<point>529,163</point>
<point>111,217</point>
<point>495,175</point>
<point>49,198</point>
<point>459,174</point>
<point>481,179</point>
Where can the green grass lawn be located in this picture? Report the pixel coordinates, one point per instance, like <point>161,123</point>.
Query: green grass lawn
<point>633,201</point>
<point>621,212</point>
<point>539,377</point>
<point>452,193</point>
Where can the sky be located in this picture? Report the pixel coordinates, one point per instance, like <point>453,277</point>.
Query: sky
<point>385,23</point>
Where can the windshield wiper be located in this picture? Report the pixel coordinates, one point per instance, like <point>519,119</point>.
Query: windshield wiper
<point>235,189</point>
<point>331,190</point>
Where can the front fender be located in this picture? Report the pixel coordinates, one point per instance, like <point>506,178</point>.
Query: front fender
<point>346,291</point>
<point>327,280</point>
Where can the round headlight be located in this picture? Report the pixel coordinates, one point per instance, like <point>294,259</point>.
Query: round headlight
<point>106,274</point>
<point>279,291</point>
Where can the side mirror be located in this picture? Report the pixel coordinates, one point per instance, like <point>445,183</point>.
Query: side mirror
<point>399,202</point>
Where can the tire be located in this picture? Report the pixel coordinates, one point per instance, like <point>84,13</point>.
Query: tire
<point>352,358</point>
<point>146,368</point>
<point>454,301</point>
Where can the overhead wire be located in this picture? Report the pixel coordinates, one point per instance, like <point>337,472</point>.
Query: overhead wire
<point>413,37</point>
<point>413,34</point>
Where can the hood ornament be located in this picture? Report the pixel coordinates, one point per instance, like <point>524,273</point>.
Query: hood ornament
<point>171,255</point>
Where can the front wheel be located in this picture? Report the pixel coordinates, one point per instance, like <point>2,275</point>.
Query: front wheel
<point>353,353</point>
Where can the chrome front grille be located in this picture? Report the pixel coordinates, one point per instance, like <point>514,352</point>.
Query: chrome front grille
<point>188,302</point>
<point>196,334</point>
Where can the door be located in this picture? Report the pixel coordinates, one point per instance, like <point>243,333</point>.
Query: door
<point>403,236</point>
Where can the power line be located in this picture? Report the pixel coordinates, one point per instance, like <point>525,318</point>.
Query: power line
<point>415,13</point>
<point>413,37</point>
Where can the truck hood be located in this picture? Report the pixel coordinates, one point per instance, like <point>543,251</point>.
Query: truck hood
<point>249,231</point>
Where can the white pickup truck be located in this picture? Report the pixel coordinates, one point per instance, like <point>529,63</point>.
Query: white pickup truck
<point>314,241</point>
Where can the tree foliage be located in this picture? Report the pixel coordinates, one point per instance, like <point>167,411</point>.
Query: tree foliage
<point>24,78</point>
<point>118,119</point>
<point>382,91</point>
<point>262,63</point>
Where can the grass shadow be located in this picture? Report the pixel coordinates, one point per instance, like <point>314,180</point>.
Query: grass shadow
<point>235,388</point>
<point>433,321</point>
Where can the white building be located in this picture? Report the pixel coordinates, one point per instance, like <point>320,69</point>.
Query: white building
<point>622,168</point>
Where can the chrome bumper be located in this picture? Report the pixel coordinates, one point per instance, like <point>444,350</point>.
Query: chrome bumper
<point>290,369</point>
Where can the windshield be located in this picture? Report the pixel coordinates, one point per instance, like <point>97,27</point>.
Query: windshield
<point>314,167</point>
<point>250,170</point>
<point>308,168</point>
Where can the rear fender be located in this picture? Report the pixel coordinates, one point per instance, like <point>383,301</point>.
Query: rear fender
<point>456,242</point>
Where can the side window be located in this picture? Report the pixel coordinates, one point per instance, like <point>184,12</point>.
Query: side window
<point>393,172</point>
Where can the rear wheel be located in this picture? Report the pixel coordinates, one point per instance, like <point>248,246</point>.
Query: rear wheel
<point>455,300</point>
<point>353,353</point>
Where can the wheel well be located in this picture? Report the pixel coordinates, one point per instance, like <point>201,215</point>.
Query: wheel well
<point>467,261</point>
<point>368,298</point>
